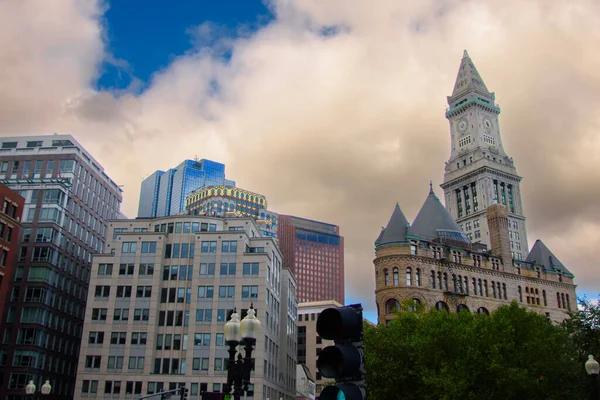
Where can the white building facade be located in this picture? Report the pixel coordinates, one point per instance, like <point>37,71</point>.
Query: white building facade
<point>158,301</point>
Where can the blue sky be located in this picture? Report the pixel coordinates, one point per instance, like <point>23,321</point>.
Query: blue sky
<point>144,36</point>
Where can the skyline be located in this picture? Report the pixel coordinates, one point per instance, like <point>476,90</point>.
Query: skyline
<point>359,92</point>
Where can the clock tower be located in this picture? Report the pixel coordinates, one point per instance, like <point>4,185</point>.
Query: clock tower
<point>479,173</point>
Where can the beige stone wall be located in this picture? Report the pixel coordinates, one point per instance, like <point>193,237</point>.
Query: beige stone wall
<point>398,256</point>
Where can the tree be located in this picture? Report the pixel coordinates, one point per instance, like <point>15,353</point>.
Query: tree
<point>511,354</point>
<point>584,328</point>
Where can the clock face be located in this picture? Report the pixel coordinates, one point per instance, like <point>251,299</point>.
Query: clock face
<point>487,124</point>
<point>462,126</point>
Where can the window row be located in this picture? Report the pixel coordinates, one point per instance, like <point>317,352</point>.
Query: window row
<point>408,277</point>
<point>185,227</point>
<point>135,387</point>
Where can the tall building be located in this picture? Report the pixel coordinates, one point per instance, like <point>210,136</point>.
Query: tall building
<point>314,251</point>
<point>433,262</point>
<point>224,201</point>
<point>68,199</point>
<point>479,173</point>
<point>10,223</point>
<point>164,193</point>
<point>160,296</point>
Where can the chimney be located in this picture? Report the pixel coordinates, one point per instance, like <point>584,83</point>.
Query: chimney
<point>497,219</point>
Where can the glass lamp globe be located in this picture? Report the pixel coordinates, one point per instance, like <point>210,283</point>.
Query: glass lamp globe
<point>250,325</point>
<point>232,328</point>
<point>46,387</point>
<point>591,366</point>
<point>30,388</point>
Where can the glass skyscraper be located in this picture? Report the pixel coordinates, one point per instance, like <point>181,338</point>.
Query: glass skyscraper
<point>163,193</point>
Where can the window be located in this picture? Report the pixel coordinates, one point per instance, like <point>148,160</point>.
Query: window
<point>408,277</point>
<point>123,291</point>
<point>202,339</point>
<point>148,247</point>
<point>93,361</point>
<point>141,314</point>
<point>121,314</point>
<point>209,247</point>
<point>126,269</point>
<point>105,269</point>
<point>146,269</point>
<point>99,314</point>
<point>96,338</point>
<point>229,246</point>
<point>418,277</point>
<point>136,363</point>
<point>395,275</point>
<point>89,387</point>
<point>227,291</point>
<point>203,315</point>
<point>144,291</point>
<point>228,269</point>
<point>139,338</point>
<point>249,292</point>
<point>386,277</point>
<point>207,269</point>
<point>118,337</point>
<point>102,291</point>
<point>129,247</point>
<point>200,364</point>
<point>112,387</point>
<point>206,292</point>
<point>250,269</point>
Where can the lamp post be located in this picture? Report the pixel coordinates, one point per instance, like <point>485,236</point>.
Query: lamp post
<point>593,368</point>
<point>30,389</point>
<point>241,333</point>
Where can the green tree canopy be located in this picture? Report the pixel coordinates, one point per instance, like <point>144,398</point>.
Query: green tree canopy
<point>584,327</point>
<point>511,354</point>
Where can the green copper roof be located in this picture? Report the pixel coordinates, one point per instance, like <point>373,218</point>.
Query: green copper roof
<point>395,231</point>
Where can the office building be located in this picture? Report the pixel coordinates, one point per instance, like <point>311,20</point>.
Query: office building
<point>160,296</point>
<point>479,172</point>
<point>314,251</point>
<point>224,201</point>
<point>10,223</point>
<point>163,193</point>
<point>68,198</point>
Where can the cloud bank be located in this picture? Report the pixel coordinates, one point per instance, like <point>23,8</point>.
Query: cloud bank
<point>334,110</point>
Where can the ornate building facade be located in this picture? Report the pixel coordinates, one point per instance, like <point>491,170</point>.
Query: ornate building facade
<point>479,173</point>
<point>473,254</point>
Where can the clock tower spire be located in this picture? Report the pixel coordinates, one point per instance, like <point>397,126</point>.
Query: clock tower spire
<point>479,173</point>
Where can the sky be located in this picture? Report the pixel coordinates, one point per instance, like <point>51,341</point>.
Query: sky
<point>334,110</point>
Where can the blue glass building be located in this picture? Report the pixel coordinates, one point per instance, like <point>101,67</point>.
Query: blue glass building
<point>163,193</point>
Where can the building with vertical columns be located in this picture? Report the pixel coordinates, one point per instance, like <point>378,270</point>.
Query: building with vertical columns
<point>314,252</point>
<point>434,263</point>
<point>479,172</point>
<point>68,200</point>
<point>159,298</point>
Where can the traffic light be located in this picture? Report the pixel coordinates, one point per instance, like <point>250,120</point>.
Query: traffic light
<point>184,392</point>
<point>343,361</point>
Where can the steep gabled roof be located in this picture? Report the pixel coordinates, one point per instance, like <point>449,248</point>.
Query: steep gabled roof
<point>395,231</point>
<point>468,79</point>
<point>540,254</point>
<point>433,220</point>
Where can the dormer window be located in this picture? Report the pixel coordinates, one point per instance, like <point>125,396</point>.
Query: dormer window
<point>560,276</point>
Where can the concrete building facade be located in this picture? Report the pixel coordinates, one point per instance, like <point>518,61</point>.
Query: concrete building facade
<point>68,199</point>
<point>160,296</point>
<point>314,251</point>
<point>479,172</point>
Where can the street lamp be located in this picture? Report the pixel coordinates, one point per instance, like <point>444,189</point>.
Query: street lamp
<point>593,368</point>
<point>30,388</point>
<point>241,333</point>
<point>46,388</point>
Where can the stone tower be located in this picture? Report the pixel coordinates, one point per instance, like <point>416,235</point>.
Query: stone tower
<point>479,173</point>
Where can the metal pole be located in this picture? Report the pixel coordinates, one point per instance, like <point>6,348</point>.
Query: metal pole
<point>594,394</point>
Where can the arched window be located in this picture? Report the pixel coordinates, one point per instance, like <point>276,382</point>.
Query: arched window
<point>408,276</point>
<point>520,294</point>
<point>445,281</point>
<point>558,299</point>
<point>432,279</point>
<point>564,303</point>
<point>439,278</point>
<point>483,310</point>
<point>568,303</point>
<point>386,278</point>
<point>504,291</point>
<point>392,305</point>
<point>544,296</point>
<point>462,307</point>
<point>499,289</point>
<point>466,287</point>
<point>441,306</point>
<point>480,287</point>
<point>454,282</point>
<point>415,305</point>
<point>396,278</point>
<point>474,282</point>
<point>493,289</point>
<point>460,286</point>
<point>418,277</point>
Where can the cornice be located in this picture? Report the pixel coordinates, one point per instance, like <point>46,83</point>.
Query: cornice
<point>480,171</point>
